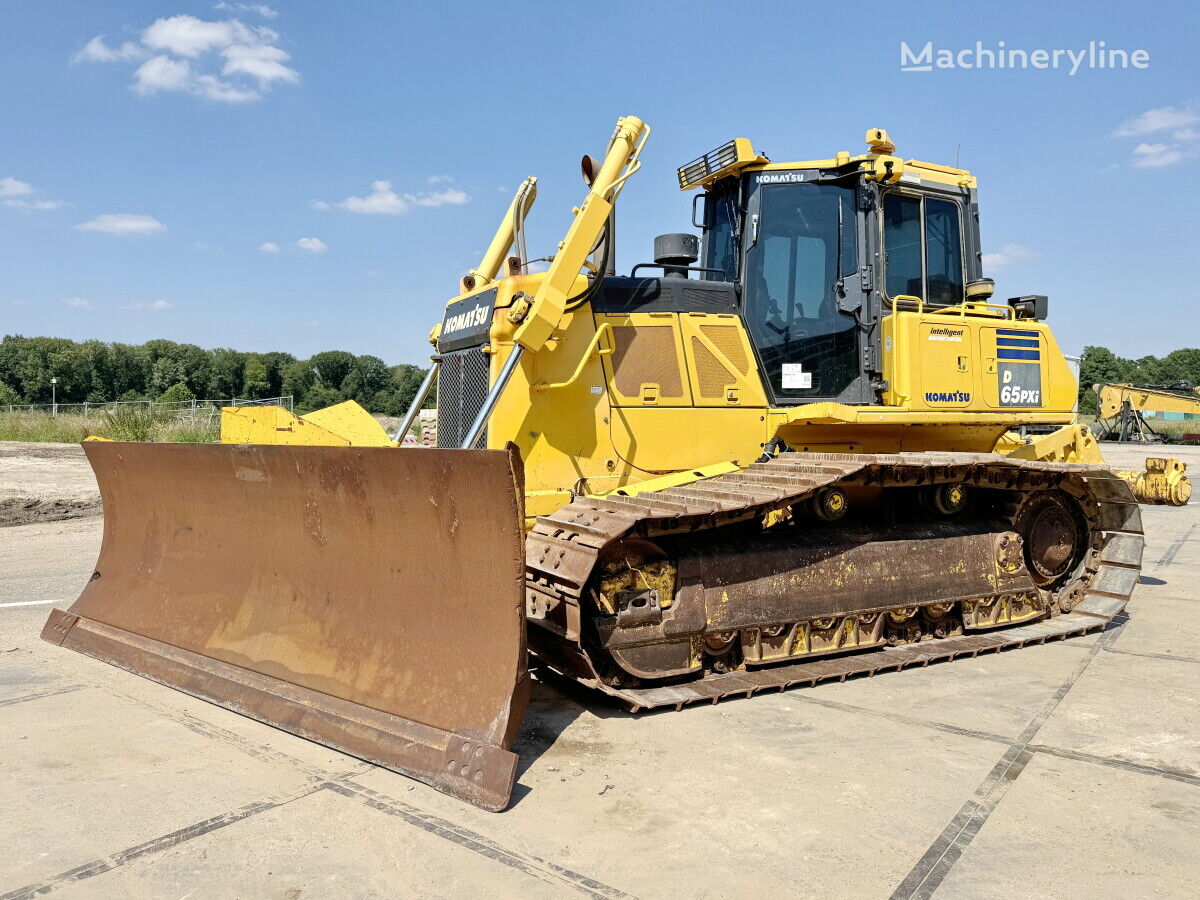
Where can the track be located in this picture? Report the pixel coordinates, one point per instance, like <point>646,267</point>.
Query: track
<point>562,551</point>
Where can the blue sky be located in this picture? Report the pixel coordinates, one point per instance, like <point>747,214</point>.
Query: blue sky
<point>142,174</point>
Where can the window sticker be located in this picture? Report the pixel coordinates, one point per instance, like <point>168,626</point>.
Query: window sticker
<point>795,378</point>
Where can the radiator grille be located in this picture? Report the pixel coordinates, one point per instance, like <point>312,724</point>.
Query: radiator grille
<point>462,387</point>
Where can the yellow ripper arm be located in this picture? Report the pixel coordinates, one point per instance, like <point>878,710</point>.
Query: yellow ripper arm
<point>510,225</point>
<point>545,310</point>
<point>1163,482</point>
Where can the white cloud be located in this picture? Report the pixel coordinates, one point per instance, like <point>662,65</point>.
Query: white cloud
<point>384,201</point>
<point>1007,255</point>
<point>261,8</point>
<point>188,36</point>
<point>10,187</point>
<point>96,50</point>
<point>440,179</point>
<point>40,205</point>
<point>381,201</point>
<point>269,247</point>
<point>123,223</point>
<point>319,204</point>
<point>225,60</point>
<point>1153,156</point>
<point>451,196</point>
<point>1157,119</point>
<point>213,88</point>
<point>148,305</point>
<point>260,61</point>
<point>77,303</point>
<point>312,245</point>
<point>161,73</point>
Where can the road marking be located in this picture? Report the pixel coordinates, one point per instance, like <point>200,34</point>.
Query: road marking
<point>28,603</point>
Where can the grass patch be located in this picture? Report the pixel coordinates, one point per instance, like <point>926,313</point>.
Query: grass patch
<point>124,424</point>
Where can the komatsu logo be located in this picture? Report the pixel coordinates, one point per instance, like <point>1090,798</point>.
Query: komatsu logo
<point>468,319</point>
<point>951,397</point>
<point>780,177</point>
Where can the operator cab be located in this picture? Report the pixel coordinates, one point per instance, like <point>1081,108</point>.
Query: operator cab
<point>820,251</point>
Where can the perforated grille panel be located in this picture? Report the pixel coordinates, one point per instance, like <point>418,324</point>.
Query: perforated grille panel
<point>645,354</point>
<point>462,388</point>
<point>711,375</point>
<point>725,338</point>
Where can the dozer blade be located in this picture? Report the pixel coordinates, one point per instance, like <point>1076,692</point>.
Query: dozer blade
<point>370,599</point>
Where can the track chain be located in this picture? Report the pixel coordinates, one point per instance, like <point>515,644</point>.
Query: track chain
<point>562,550</point>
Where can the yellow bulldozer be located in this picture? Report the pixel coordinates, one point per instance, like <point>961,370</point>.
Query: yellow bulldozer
<point>787,450</point>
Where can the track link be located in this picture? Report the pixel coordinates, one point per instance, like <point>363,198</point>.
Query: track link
<point>562,551</point>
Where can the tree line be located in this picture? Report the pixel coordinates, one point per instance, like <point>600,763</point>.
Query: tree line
<point>100,372</point>
<point>1100,365</point>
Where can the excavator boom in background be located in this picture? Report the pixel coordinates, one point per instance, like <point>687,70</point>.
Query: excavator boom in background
<point>787,450</point>
<point>1122,407</point>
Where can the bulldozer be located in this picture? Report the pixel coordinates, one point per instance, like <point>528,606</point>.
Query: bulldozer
<point>788,449</point>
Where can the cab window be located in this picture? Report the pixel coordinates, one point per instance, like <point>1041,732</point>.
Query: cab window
<point>922,237</point>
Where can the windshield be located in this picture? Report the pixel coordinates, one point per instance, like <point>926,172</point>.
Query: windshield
<point>806,243</point>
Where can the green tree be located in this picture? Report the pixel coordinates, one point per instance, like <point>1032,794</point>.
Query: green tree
<point>319,397</point>
<point>8,397</point>
<point>368,377</point>
<point>226,373</point>
<point>332,367</point>
<point>255,384</point>
<point>276,362</point>
<point>177,393</point>
<point>165,372</point>
<point>297,379</point>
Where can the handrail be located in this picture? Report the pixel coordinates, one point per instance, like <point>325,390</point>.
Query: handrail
<point>592,347</point>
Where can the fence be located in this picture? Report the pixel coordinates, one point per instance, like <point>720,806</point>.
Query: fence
<point>194,412</point>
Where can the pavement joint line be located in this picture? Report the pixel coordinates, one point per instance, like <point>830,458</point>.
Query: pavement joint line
<point>1166,656</point>
<point>1158,771</point>
<point>1169,557</point>
<point>39,695</point>
<point>1112,762</point>
<point>27,603</point>
<point>207,729</point>
<point>157,845</point>
<point>909,720</point>
<point>935,864</point>
<point>526,863</point>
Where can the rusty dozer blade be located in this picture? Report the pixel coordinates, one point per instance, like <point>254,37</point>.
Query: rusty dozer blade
<point>370,599</point>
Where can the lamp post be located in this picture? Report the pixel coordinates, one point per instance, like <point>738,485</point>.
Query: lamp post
<point>54,396</point>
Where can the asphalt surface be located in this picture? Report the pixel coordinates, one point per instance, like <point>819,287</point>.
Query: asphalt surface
<point>1068,769</point>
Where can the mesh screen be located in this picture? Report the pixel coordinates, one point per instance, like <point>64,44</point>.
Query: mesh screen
<point>645,354</point>
<point>462,388</point>
<point>725,338</point>
<point>711,374</point>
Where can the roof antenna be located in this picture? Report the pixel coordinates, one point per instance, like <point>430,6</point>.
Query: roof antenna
<point>957,148</point>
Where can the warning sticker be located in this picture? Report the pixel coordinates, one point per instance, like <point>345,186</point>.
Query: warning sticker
<point>795,378</point>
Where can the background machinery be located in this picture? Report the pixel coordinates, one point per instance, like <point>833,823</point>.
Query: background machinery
<point>1120,415</point>
<point>794,440</point>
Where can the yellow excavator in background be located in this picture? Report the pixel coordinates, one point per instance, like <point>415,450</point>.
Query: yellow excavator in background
<point>790,454</point>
